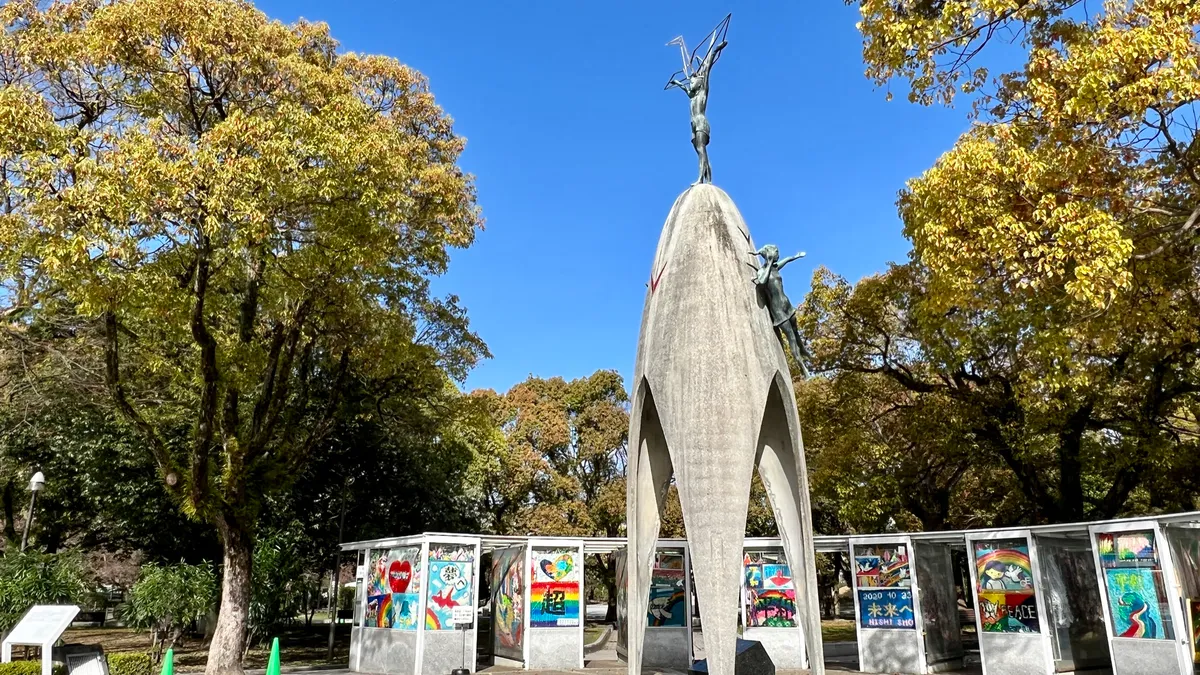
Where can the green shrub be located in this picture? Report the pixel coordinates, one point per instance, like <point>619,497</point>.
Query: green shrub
<point>168,598</point>
<point>129,663</point>
<point>346,597</point>
<point>35,578</point>
<point>282,587</point>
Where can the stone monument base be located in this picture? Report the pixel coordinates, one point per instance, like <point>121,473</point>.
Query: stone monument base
<point>750,658</point>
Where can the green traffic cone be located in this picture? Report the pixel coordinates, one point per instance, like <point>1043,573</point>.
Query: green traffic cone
<point>169,663</point>
<point>273,662</point>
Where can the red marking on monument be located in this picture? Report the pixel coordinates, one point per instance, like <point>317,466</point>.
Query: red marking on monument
<point>654,280</point>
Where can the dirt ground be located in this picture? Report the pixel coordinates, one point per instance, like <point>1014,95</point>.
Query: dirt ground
<point>298,646</point>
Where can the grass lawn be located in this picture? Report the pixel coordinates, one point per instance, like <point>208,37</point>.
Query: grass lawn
<point>838,630</point>
<point>590,633</point>
<point>298,646</point>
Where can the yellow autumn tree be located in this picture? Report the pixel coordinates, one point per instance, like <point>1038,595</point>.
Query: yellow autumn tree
<point>240,219</point>
<point>1050,307</point>
<point>1085,162</point>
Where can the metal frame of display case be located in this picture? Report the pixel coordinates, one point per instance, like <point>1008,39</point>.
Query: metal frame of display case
<point>864,635</point>
<point>1181,641</point>
<point>1042,637</point>
<point>416,667</point>
<point>575,545</point>
<point>775,640</point>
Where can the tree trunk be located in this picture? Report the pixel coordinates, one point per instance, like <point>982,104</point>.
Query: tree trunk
<point>229,639</point>
<point>609,565</point>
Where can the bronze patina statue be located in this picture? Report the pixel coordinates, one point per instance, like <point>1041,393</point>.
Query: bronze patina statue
<point>693,80</point>
<point>783,314</point>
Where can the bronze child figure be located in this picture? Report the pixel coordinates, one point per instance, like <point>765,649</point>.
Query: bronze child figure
<point>783,314</point>
<point>693,80</point>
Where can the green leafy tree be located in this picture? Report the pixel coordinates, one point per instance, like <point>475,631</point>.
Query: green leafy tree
<point>243,220</point>
<point>100,492</point>
<point>286,585</point>
<point>557,466</point>
<point>560,462</point>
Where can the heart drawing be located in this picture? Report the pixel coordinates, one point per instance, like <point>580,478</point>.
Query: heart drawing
<point>400,575</point>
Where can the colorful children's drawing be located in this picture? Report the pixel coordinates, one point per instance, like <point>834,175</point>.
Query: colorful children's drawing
<point>770,592</point>
<point>554,592</point>
<point>508,601</point>
<point>1106,548</point>
<point>374,604</point>
<point>1127,549</point>
<point>452,552</point>
<point>1003,566</point>
<point>1136,546</point>
<point>449,587</point>
<point>1001,612</point>
<point>407,610</point>
<point>377,573</point>
<point>866,567</point>
<point>393,588</point>
<point>754,576</point>
<point>668,602</point>
<point>777,577</point>
<point>1134,603</point>
<point>557,567</point>
<point>886,608</point>
<point>384,610</point>
<point>882,567</point>
<point>404,580</point>
<point>771,608</point>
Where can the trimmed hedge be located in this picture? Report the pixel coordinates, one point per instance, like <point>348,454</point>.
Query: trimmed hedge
<point>28,668</point>
<point>128,663</point>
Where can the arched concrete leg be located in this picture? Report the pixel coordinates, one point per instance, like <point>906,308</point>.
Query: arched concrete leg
<point>713,473</point>
<point>648,477</point>
<point>781,466</point>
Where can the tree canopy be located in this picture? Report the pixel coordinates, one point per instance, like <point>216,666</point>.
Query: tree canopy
<point>1036,358</point>
<point>240,220</point>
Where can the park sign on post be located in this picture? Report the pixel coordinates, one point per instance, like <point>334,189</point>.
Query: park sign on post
<point>41,627</point>
<point>463,616</point>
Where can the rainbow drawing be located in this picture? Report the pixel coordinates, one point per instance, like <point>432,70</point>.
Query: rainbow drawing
<point>383,615</point>
<point>1003,566</point>
<point>553,603</point>
<point>772,608</point>
<point>431,620</point>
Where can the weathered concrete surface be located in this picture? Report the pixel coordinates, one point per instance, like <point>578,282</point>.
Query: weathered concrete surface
<point>712,396</point>
<point>554,649</point>
<point>387,651</point>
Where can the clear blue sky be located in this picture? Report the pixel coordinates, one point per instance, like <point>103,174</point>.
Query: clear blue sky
<point>578,152</point>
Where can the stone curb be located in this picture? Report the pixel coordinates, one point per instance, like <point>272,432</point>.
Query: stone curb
<point>599,642</point>
<point>840,649</point>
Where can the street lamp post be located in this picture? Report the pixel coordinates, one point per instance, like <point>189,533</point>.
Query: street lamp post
<point>35,486</point>
<point>337,559</point>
